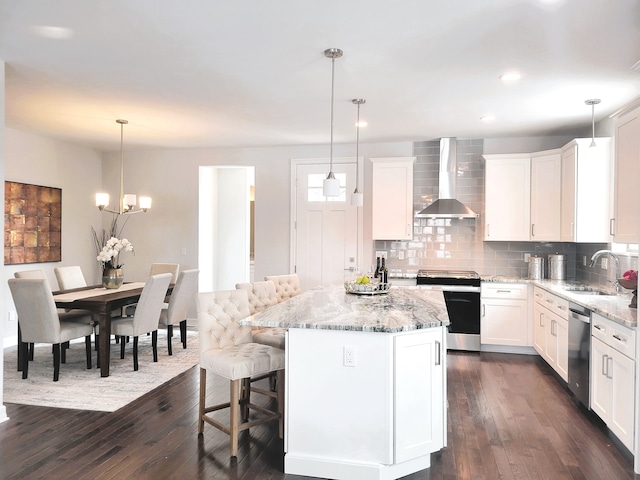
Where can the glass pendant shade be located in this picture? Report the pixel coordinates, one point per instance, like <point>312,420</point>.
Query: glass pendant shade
<point>357,199</point>
<point>331,186</point>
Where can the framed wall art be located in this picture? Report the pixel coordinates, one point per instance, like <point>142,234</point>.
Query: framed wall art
<point>32,223</point>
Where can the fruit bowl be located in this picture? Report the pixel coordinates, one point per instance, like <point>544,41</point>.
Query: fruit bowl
<point>374,288</point>
<point>630,285</point>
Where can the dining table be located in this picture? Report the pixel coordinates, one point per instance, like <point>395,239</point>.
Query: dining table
<point>101,302</point>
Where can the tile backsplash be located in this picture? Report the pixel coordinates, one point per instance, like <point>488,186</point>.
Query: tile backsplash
<point>457,244</point>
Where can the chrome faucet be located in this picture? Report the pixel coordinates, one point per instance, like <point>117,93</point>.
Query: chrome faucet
<point>598,254</point>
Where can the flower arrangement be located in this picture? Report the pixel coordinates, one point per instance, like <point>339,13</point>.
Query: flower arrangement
<point>109,256</point>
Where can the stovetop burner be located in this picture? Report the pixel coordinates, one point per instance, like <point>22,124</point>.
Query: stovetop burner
<point>448,274</point>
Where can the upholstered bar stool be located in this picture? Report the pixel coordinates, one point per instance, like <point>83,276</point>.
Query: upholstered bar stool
<point>287,286</point>
<point>262,295</point>
<point>226,350</point>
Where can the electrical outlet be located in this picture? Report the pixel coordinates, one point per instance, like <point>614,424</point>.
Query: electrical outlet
<point>526,257</point>
<point>604,263</point>
<point>584,260</point>
<point>349,354</point>
<point>183,252</point>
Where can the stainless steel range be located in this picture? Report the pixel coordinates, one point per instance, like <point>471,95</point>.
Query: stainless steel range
<point>461,291</point>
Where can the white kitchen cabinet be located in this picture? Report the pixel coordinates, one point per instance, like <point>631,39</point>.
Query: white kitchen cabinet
<point>612,385</point>
<point>392,198</point>
<point>626,221</point>
<point>586,179</point>
<point>507,197</point>
<point>505,315</point>
<point>551,330</point>
<point>546,177</point>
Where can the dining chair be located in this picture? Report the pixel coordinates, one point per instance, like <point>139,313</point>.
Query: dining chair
<point>175,312</point>
<point>156,268</point>
<point>145,318</point>
<point>287,286</point>
<point>226,350</point>
<point>40,321</point>
<point>70,277</point>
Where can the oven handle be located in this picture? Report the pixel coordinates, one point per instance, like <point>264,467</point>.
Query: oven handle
<point>452,288</point>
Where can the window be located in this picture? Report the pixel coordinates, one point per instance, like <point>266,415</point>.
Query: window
<point>314,188</point>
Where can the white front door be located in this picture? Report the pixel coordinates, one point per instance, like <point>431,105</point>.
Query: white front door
<point>325,228</point>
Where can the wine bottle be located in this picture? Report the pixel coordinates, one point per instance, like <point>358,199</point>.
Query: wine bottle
<point>376,274</point>
<point>384,273</point>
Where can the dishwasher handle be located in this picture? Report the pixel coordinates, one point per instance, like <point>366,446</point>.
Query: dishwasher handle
<point>580,316</point>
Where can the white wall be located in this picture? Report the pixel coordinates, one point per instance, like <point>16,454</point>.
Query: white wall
<point>3,299</point>
<point>77,171</point>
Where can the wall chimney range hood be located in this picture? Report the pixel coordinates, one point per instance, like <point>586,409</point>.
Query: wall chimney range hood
<point>447,206</point>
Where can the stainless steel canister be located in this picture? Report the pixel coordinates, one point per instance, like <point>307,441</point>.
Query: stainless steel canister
<point>536,267</point>
<point>557,266</point>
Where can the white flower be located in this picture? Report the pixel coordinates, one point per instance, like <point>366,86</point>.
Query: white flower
<point>110,253</point>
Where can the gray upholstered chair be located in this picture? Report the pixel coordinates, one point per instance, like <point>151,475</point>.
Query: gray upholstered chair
<point>146,316</point>
<point>70,277</point>
<point>175,312</point>
<point>156,268</point>
<point>226,350</point>
<point>262,295</point>
<point>40,321</point>
<point>287,286</point>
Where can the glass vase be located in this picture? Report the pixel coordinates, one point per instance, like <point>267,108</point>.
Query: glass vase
<point>112,278</point>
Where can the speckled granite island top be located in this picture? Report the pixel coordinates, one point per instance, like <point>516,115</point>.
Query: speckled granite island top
<point>331,308</point>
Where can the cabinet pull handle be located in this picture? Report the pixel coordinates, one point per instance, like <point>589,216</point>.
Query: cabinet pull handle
<point>438,353</point>
<point>598,327</point>
<point>503,291</point>
<point>610,376</point>
<point>488,230</point>
<point>408,229</point>
<point>533,229</point>
<point>573,230</point>
<point>553,322</point>
<point>541,324</point>
<point>605,365</point>
<point>620,339</point>
<point>612,223</point>
<point>484,310</point>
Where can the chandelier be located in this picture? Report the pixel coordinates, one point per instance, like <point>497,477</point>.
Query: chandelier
<point>127,203</point>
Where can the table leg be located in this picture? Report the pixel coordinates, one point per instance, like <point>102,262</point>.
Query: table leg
<point>104,345</point>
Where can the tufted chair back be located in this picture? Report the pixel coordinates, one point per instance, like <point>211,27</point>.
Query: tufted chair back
<point>261,295</point>
<point>219,315</point>
<point>287,286</point>
<point>70,277</point>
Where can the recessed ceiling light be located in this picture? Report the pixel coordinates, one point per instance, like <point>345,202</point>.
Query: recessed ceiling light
<point>510,77</point>
<point>488,118</point>
<point>58,33</point>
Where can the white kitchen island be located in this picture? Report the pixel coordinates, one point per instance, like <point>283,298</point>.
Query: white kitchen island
<point>365,381</point>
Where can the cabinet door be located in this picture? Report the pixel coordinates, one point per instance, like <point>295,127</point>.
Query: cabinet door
<point>568,202</point>
<point>419,400</point>
<point>539,330</point>
<point>621,421</point>
<point>600,387</point>
<point>507,197</point>
<point>551,340</point>
<point>392,198</point>
<point>562,357</point>
<point>503,322</point>
<point>627,172</point>
<point>546,178</point>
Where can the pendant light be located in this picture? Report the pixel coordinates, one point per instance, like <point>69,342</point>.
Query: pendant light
<point>127,201</point>
<point>331,185</point>
<point>593,102</point>
<point>357,198</point>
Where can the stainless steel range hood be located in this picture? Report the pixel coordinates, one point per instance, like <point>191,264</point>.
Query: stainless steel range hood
<point>447,206</point>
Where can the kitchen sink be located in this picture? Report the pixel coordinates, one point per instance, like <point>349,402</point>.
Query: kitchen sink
<point>583,291</point>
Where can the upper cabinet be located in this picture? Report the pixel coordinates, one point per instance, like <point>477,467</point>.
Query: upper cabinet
<point>626,221</point>
<point>507,197</point>
<point>586,174</point>
<point>546,183</point>
<point>392,198</point>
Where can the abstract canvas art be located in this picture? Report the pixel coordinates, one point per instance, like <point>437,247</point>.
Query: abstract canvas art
<point>32,223</point>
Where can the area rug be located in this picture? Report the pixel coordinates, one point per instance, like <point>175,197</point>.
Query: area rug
<point>82,389</point>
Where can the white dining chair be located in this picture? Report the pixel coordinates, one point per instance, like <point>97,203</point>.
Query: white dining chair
<point>226,350</point>
<point>145,318</point>
<point>156,268</point>
<point>175,312</point>
<point>70,277</point>
<point>40,321</point>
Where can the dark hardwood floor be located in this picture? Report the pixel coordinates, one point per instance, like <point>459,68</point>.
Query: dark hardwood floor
<point>509,418</point>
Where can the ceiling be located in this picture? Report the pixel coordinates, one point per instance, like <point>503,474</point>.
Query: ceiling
<point>207,73</point>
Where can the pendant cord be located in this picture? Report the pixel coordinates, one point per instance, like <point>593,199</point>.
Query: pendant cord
<point>333,61</point>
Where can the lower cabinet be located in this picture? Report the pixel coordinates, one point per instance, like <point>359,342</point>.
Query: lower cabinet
<point>613,377</point>
<point>551,330</point>
<point>505,315</point>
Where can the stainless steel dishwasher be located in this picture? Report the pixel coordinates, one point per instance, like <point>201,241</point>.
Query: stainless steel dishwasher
<point>579,351</point>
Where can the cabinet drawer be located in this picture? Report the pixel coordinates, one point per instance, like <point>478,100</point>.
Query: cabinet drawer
<point>514,291</point>
<point>617,336</point>
<point>557,305</point>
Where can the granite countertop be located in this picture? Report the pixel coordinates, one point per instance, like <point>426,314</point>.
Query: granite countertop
<point>613,307</point>
<point>331,308</point>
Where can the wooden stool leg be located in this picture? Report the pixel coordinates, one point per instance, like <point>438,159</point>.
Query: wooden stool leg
<point>234,401</point>
<point>245,397</point>
<point>280,383</point>
<point>203,396</point>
